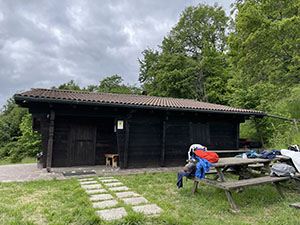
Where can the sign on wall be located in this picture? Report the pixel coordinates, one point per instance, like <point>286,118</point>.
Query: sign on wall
<point>120,125</point>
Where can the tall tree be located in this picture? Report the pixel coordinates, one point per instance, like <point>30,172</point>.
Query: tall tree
<point>264,54</point>
<point>113,84</point>
<point>265,45</point>
<point>191,62</point>
<point>71,85</point>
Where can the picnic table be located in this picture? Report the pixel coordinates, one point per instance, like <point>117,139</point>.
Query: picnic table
<point>243,164</point>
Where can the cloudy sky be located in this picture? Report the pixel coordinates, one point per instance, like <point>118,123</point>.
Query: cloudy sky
<point>47,43</point>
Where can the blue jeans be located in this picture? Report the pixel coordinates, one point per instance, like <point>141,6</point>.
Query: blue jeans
<point>180,176</point>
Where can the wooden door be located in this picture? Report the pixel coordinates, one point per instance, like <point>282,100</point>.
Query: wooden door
<point>83,143</point>
<point>106,142</point>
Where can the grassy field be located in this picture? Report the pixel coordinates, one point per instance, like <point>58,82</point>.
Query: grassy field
<point>64,202</point>
<point>25,160</point>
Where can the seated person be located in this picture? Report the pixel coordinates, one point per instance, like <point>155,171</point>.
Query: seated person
<point>189,171</point>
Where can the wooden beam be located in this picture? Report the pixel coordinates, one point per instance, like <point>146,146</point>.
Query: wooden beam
<point>163,145</point>
<point>50,141</point>
<point>126,143</point>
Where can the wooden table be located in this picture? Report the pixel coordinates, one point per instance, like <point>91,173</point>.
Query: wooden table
<point>224,163</point>
<point>114,159</point>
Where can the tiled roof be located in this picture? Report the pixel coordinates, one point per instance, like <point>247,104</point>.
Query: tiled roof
<point>67,96</point>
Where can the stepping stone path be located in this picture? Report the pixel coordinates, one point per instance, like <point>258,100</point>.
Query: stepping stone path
<point>107,204</point>
<point>135,200</point>
<point>113,184</point>
<point>91,186</point>
<point>89,182</point>
<point>122,188</point>
<point>94,191</point>
<point>126,194</point>
<point>109,180</point>
<point>101,197</point>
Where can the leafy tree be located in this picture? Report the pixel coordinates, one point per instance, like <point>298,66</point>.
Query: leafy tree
<point>265,43</point>
<point>10,120</point>
<point>28,144</point>
<point>191,62</point>
<point>199,27</point>
<point>264,56</point>
<point>71,85</point>
<point>113,84</point>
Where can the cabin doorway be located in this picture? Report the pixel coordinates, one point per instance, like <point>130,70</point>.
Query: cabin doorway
<point>106,139</point>
<point>83,143</point>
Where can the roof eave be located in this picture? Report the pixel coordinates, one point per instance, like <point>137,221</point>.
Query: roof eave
<point>18,97</point>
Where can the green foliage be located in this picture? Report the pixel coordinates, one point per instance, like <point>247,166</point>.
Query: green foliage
<point>191,62</point>
<point>200,28</point>
<point>264,54</point>
<point>265,44</point>
<point>174,75</point>
<point>284,131</point>
<point>29,143</point>
<point>17,139</point>
<point>71,85</point>
<point>10,119</point>
<point>112,84</point>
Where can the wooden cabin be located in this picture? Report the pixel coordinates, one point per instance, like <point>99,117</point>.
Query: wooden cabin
<point>79,128</point>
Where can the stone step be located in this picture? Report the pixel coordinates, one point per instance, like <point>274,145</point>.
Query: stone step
<point>122,188</point>
<point>85,179</point>
<point>147,209</point>
<point>112,214</point>
<point>89,182</point>
<point>94,191</point>
<point>105,204</point>
<point>135,200</point>
<point>101,197</point>
<point>126,194</point>
<point>109,180</point>
<point>91,186</point>
<point>113,184</point>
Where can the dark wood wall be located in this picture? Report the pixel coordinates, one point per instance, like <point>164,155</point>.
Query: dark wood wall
<point>164,140</point>
<point>145,140</point>
<point>149,138</point>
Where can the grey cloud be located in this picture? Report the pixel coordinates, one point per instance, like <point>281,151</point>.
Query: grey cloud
<point>46,43</point>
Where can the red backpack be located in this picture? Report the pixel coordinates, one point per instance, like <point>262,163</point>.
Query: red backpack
<point>211,157</point>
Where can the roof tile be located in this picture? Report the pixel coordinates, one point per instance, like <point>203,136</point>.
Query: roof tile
<point>122,99</point>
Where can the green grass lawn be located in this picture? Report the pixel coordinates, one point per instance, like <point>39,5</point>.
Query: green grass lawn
<point>64,202</point>
<point>25,160</point>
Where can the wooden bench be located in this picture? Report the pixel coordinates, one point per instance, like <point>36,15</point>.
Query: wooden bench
<point>114,159</point>
<point>231,185</point>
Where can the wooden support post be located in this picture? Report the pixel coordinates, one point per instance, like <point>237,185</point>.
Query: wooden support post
<point>267,167</point>
<point>296,126</point>
<point>195,185</point>
<point>297,182</point>
<point>163,145</point>
<point>50,141</point>
<point>126,144</point>
<point>221,174</point>
<point>228,193</point>
<point>278,188</point>
<point>230,200</point>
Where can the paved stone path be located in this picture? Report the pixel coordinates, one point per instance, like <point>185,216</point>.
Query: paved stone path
<point>30,172</point>
<point>107,194</point>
